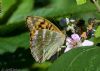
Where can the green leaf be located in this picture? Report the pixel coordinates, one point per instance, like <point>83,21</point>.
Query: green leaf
<point>96,40</point>
<point>10,44</point>
<point>5,6</point>
<point>97,33</point>
<point>42,65</point>
<point>80,2</point>
<point>17,18</point>
<point>22,11</point>
<point>78,59</point>
<point>6,30</point>
<point>63,8</point>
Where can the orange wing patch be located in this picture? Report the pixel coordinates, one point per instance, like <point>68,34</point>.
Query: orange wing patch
<point>37,23</point>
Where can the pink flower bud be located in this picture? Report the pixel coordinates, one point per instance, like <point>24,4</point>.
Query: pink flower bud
<point>75,37</point>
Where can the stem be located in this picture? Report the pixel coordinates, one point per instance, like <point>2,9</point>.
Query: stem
<point>97,20</point>
<point>97,5</point>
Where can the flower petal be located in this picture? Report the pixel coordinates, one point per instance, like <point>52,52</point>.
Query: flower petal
<point>75,37</point>
<point>68,39</point>
<point>87,43</point>
<point>69,47</point>
<point>67,20</point>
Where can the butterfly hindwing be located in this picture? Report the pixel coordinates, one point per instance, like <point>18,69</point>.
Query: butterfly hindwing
<point>45,44</point>
<point>45,38</point>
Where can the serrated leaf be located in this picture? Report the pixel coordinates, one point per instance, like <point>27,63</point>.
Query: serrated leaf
<point>78,59</point>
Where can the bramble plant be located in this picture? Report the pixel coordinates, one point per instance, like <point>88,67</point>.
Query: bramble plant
<point>14,34</point>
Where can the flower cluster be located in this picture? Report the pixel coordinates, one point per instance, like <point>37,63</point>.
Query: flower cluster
<point>78,34</point>
<point>75,41</point>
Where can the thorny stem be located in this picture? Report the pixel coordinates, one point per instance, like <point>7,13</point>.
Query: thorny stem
<point>97,5</point>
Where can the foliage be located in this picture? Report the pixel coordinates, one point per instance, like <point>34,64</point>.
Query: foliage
<point>14,35</point>
<point>97,34</point>
<point>80,2</point>
<point>9,44</point>
<point>79,59</point>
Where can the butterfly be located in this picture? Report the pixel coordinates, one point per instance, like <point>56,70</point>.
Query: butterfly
<point>45,38</point>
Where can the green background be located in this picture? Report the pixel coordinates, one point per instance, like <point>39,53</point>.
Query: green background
<point>14,35</point>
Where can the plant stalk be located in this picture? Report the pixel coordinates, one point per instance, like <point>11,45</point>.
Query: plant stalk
<point>97,5</point>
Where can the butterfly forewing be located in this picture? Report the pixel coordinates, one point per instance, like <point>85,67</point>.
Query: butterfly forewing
<point>36,23</point>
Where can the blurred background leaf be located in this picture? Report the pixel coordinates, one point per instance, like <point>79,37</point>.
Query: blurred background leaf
<point>10,44</point>
<point>7,6</point>
<point>80,2</point>
<point>97,33</point>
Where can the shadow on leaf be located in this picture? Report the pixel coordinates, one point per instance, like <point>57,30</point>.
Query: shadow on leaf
<point>21,58</point>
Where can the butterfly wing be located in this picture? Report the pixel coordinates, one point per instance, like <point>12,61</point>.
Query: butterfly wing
<point>37,23</point>
<point>45,41</point>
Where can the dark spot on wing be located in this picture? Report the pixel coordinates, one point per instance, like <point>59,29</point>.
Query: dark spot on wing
<point>50,27</point>
<point>43,22</point>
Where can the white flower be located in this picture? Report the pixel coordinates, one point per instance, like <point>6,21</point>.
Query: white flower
<point>72,20</point>
<point>68,48</point>
<point>75,41</point>
<point>67,20</point>
<point>72,42</point>
<point>87,43</point>
<point>75,37</point>
<point>71,27</point>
